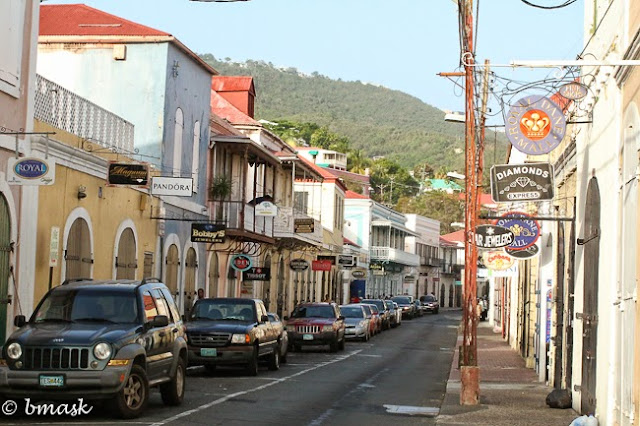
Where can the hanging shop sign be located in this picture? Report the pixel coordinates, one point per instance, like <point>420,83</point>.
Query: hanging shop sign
<point>497,260</point>
<point>321,265</point>
<point>266,208</point>
<point>573,90</point>
<point>303,225</point>
<point>207,233</point>
<point>257,274</point>
<point>375,266</point>
<point>535,125</point>
<point>527,253</point>
<point>525,229</point>
<point>346,260</point>
<point>393,268</point>
<point>492,236</point>
<point>178,187</point>
<point>328,258</point>
<point>128,174</point>
<point>522,182</point>
<point>358,273</point>
<point>31,171</point>
<point>299,265</point>
<point>241,262</point>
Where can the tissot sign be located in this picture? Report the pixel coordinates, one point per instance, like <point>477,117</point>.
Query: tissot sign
<point>257,274</point>
<point>535,125</point>
<point>522,182</point>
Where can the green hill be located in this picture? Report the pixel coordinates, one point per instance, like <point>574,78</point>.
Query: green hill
<point>377,120</point>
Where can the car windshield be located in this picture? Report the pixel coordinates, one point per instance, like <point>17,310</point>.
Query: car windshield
<point>374,309</point>
<point>88,304</point>
<point>311,311</point>
<point>379,303</point>
<point>273,318</point>
<point>428,298</point>
<point>351,312</point>
<point>402,300</point>
<point>216,310</point>
<point>367,309</point>
<point>389,304</point>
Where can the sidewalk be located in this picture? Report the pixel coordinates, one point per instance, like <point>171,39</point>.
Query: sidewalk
<point>510,393</point>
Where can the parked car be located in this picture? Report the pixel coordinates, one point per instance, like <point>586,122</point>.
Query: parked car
<point>316,324</point>
<point>98,340</point>
<point>383,312</point>
<point>398,313</point>
<point>407,306</point>
<point>418,305</point>
<point>232,331</point>
<point>393,313</point>
<point>282,332</point>
<point>373,320</point>
<point>356,322</point>
<point>375,314</point>
<point>430,303</point>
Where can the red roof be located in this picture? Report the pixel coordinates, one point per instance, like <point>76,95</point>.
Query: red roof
<point>349,242</point>
<point>485,199</point>
<point>454,237</point>
<point>82,20</point>
<point>223,108</point>
<point>325,173</point>
<point>232,84</point>
<point>355,195</point>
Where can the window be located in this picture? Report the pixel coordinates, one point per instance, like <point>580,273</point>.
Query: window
<point>177,143</point>
<point>195,170</point>
<point>161,304</point>
<point>77,254</point>
<point>301,202</point>
<point>12,16</point>
<point>150,309</point>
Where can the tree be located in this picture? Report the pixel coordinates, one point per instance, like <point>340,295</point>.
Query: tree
<point>357,162</point>
<point>392,180</point>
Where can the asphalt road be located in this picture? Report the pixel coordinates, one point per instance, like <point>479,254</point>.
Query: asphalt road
<point>396,373</point>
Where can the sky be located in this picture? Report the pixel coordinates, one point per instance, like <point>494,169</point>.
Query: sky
<point>399,44</point>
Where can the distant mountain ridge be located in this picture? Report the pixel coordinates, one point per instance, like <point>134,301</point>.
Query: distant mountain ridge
<point>377,120</point>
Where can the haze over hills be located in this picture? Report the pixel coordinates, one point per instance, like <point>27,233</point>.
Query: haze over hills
<point>377,120</point>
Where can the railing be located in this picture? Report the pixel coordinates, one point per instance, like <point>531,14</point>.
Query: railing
<point>394,255</point>
<point>229,213</point>
<point>430,261</point>
<point>67,111</point>
<point>447,268</point>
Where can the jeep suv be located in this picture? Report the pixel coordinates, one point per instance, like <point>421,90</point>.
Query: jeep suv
<point>98,340</point>
<point>316,324</point>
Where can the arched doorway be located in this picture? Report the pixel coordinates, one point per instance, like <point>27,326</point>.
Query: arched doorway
<point>282,301</point>
<point>126,262</point>
<point>591,242</point>
<point>77,254</point>
<point>452,293</point>
<point>173,265</point>
<point>190,265</point>
<point>231,282</point>
<point>442,291</point>
<point>5,251</point>
<point>214,275</point>
<point>266,285</point>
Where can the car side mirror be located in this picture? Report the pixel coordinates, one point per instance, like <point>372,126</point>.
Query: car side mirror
<point>264,318</point>
<point>19,321</point>
<point>159,321</point>
<point>286,318</point>
<point>340,318</point>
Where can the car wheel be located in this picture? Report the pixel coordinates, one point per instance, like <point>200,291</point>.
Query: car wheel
<point>333,346</point>
<point>435,312</point>
<point>274,360</point>
<point>297,348</point>
<point>172,392</point>
<point>210,368</point>
<point>132,399</point>
<point>283,357</point>
<point>252,365</point>
<point>341,344</point>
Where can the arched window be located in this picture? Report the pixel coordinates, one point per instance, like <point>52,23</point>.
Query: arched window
<point>195,168</point>
<point>214,275</point>
<point>190,265</point>
<point>126,262</point>
<point>173,264</point>
<point>77,254</point>
<point>177,143</point>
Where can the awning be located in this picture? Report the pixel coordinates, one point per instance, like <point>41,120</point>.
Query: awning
<point>383,222</point>
<point>244,142</point>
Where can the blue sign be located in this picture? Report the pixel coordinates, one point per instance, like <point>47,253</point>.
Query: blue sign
<point>525,229</point>
<point>30,168</point>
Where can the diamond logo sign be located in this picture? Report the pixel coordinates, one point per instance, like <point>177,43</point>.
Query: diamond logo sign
<point>522,182</point>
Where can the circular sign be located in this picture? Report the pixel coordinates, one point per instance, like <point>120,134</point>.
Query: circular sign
<point>299,264</point>
<point>525,229</point>
<point>573,90</point>
<point>358,273</point>
<point>535,125</point>
<point>497,260</point>
<point>241,262</point>
<point>527,253</point>
<point>492,236</point>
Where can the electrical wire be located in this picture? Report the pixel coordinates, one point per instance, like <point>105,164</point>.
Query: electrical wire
<point>559,6</point>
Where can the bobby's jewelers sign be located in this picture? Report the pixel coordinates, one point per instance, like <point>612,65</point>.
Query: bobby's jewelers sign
<point>207,233</point>
<point>522,182</point>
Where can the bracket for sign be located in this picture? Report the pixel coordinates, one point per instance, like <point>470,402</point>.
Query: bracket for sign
<point>29,133</point>
<point>551,219</point>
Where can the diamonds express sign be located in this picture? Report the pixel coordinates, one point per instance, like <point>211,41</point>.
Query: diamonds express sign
<point>522,182</point>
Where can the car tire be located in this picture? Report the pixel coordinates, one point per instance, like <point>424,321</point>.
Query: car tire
<point>297,348</point>
<point>435,312</point>
<point>333,346</point>
<point>252,365</point>
<point>283,358</point>
<point>172,392</point>
<point>210,368</point>
<point>132,399</point>
<point>274,360</point>
<point>341,344</point>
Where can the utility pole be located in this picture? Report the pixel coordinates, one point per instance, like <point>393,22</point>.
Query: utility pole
<point>391,179</point>
<point>382,186</point>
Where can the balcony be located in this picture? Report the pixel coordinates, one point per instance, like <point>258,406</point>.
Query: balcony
<point>447,268</point>
<point>430,261</point>
<point>230,213</point>
<point>67,111</point>
<point>284,227</point>
<point>388,254</point>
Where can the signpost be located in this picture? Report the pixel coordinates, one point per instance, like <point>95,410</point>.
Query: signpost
<point>207,233</point>
<point>266,208</point>
<point>299,265</point>
<point>321,265</point>
<point>527,253</point>
<point>497,260</point>
<point>522,182</point>
<point>303,225</point>
<point>346,260</point>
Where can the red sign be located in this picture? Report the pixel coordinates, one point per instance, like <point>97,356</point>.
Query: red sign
<point>241,262</point>
<point>321,265</point>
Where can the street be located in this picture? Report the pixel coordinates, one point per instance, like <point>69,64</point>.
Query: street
<point>371,383</point>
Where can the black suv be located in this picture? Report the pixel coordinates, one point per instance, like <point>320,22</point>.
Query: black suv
<point>99,340</point>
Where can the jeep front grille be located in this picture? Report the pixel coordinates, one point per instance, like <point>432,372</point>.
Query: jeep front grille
<point>211,340</point>
<point>56,358</point>
<point>308,329</point>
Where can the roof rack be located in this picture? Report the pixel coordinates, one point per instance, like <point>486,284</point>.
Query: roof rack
<point>75,280</point>
<point>147,280</point>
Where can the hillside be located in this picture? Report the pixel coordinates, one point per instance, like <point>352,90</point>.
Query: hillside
<point>377,120</point>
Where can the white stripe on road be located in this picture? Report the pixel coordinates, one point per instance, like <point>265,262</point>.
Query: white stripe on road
<point>412,411</point>
<point>372,356</point>
<point>237,394</point>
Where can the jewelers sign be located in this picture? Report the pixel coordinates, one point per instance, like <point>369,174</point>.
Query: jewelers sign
<point>207,233</point>
<point>525,229</point>
<point>31,171</point>
<point>522,182</point>
<point>491,236</point>
<point>535,125</point>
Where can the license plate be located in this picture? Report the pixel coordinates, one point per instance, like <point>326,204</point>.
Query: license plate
<point>52,381</point>
<point>208,352</point>
<point>307,337</point>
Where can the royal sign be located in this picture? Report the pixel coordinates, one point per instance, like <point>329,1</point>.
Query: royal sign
<point>31,171</point>
<point>527,253</point>
<point>299,265</point>
<point>128,174</point>
<point>491,236</point>
<point>241,262</point>
<point>207,233</point>
<point>178,187</point>
<point>522,182</point>
<point>535,125</point>
<point>497,260</point>
<point>257,274</point>
<point>525,229</point>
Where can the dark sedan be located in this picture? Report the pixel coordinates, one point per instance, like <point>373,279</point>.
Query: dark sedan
<point>430,303</point>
